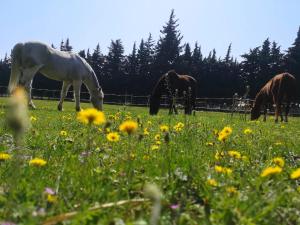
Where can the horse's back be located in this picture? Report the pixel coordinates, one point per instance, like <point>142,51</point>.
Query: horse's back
<point>283,86</point>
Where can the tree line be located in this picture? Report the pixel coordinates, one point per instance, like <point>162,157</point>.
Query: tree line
<point>137,72</point>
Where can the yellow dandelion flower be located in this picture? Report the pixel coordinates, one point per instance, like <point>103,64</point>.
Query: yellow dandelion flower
<point>158,142</point>
<point>225,170</point>
<point>154,147</point>
<point>146,132</point>
<point>91,116</point>
<point>180,124</point>
<point>128,117</point>
<point>37,162</point>
<point>4,156</point>
<point>219,155</point>
<point>215,132</point>
<point>245,158</point>
<point>63,133</point>
<point>270,171</point>
<point>278,161</point>
<point>219,169</point>
<point>178,127</point>
<point>113,137</point>
<point>222,136</point>
<point>212,182</point>
<point>52,198</point>
<point>278,143</point>
<point>231,190</point>
<point>234,154</point>
<point>157,137</point>
<point>128,126</point>
<point>295,174</point>
<point>146,157</point>
<point>164,128</point>
<point>227,130</point>
<point>33,119</point>
<point>248,131</point>
<point>132,156</point>
<point>209,144</point>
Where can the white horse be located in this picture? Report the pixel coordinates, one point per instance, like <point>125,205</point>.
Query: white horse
<point>32,57</point>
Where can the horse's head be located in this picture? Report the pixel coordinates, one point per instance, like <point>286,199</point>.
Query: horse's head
<point>154,105</point>
<point>97,98</point>
<point>255,112</point>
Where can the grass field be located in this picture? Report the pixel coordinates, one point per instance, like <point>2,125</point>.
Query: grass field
<point>203,177</point>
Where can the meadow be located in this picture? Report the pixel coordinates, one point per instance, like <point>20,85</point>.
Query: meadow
<point>210,168</point>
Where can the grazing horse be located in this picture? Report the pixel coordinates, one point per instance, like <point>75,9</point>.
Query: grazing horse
<point>281,88</point>
<point>172,84</point>
<point>32,57</point>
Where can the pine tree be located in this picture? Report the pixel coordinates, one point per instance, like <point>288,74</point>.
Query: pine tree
<point>68,47</point>
<point>276,65</point>
<point>228,59</point>
<point>168,47</point>
<point>62,46</point>
<point>197,62</point>
<point>133,62</point>
<point>264,63</point>
<point>186,60</point>
<point>250,69</point>
<point>88,57</point>
<point>82,53</point>
<point>292,59</point>
<point>114,67</point>
<point>97,60</point>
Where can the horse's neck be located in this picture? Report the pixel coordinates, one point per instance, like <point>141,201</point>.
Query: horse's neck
<point>158,89</point>
<point>260,99</point>
<point>91,82</point>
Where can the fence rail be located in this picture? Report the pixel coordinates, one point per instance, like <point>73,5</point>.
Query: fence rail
<point>202,104</point>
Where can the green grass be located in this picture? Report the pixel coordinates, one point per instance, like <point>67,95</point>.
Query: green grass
<point>89,174</point>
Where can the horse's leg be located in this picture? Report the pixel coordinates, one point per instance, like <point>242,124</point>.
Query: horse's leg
<point>26,80</point>
<point>281,116</point>
<point>265,113</point>
<point>287,110</point>
<point>63,94</point>
<point>170,109</point>
<point>175,109</point>
<point>76,87</point>
<point>28,87</point>
<point>277,111</point>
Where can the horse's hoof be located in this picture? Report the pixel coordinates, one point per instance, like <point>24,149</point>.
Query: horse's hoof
<point>78,109</point>
<point>59,107</point>
<point>32,107</point>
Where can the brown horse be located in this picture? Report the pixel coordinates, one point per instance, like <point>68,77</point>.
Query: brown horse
<point>281,88</point>
<point>174,84</point>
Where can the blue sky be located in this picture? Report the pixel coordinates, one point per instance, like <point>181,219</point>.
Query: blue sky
<point>212,23</point>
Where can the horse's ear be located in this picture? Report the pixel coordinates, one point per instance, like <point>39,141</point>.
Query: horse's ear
<point>172,73</point>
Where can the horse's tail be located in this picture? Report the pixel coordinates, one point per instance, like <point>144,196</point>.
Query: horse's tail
<point>15,67</point>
